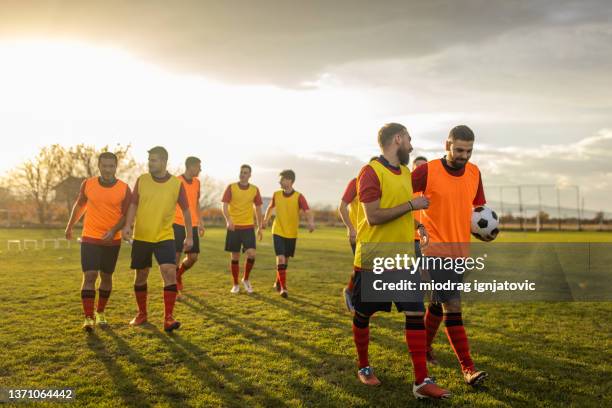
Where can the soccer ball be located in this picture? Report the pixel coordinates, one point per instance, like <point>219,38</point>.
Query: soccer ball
<point>485,224</point>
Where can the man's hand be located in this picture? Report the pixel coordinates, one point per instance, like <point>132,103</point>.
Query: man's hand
<point>187,244</point>
<point>126,233</point>
<point>108,236</point>
<point>311,226</point>
<point>230,226</point>
<point>352,235</point>
<point>423,235</point>
<point>420,203</point>
<point>259,234</point>
<point>201,230</point>
<point>68,233</point>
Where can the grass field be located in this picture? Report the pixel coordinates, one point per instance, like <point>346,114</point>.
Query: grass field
<point>262,350</point>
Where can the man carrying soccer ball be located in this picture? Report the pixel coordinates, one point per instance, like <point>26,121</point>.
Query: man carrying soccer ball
<point>454,186</point>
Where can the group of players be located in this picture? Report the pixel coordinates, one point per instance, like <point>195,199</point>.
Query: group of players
<point>430,206</point>
<point>161,218</point>
<point>386,203</point>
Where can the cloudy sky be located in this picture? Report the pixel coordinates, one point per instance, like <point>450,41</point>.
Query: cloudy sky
<point>307,84</point>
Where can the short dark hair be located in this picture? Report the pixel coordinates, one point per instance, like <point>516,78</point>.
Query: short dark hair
<point>461,132</point>
<point>386,133</point>
<point>288,174</point>
<point>246,166</point>
<point>108,155</point>
<point>420,158</point>
<point>160,151</point>
<point>192,161</point>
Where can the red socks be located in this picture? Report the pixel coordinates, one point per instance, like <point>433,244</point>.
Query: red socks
<point>458,339</point>
<point>88,298</point>
<point>248,265</point>
<point>433,318</point>
<point>169,299</point>
<point>103,296</point>
<point>361,336</point>
<point>141,298</point>
<point>235,267</point>
<point>416,339</point>
<point>281,275</point>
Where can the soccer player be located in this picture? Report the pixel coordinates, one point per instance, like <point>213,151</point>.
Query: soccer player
<point>384,188</point>
<point>104,201</point>
<point>348,209</point>
<point>454,187</point>
<point>288,204</point>
<point>241,208</point>
<point>151,211</point>
<point>191,184</point>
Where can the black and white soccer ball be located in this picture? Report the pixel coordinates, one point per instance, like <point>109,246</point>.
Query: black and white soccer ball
<point>485,224</point>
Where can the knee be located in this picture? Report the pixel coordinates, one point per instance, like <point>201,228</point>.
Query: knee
<point>192,258</point>
<point>452,306</point>
<point>90,277</point>
<point>250,253</point>
<point>361,320</point>
<point>106,278</point>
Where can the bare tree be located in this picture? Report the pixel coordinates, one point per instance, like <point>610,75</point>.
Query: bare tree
<point>210,192</point>
<point>36,178</point>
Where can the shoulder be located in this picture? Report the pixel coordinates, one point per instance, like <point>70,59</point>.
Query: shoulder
<point>253,187</point>
<point>472,169</point>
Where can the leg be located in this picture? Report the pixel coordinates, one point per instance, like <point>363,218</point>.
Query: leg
<point>88,292</point>
<point>361,336</point>
<point>104,290</point>
<point>235,269</point>
<point>433,318</point>
<point>281,274</point>
<point>455,332</point>
<point>416,339</point>
<point>140,291</point>
<point>249,263</point>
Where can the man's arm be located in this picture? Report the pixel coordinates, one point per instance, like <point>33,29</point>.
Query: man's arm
<point>227,197</point>
<point>268,214</point>
<point>126,232</point>
<point>377,216</point>
<point>78,209</point>
<point>228,219</point>
<point>75,215</point>
<point>259,218</point>
<point>183,202</point>
<point>199,212</point>
<point>346,219</point>
<point>310,219</point>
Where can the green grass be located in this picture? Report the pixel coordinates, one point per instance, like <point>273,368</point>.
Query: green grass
<point>262,350</point>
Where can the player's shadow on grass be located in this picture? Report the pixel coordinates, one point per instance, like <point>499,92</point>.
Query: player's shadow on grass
<point>126,388</point>
<point>168,391</point>
<point>549,371</point>
<point>316,361</point>
<point>229,387</point>
<point>300,306</point>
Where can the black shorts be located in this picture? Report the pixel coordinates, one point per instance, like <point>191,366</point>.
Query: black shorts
<point>239,240</point>
<point>179,239</point>
<point>369,308</point>
<point>101,258</point>
<point>142,253</point>
<point>284,246</point>
<point>441,275</point>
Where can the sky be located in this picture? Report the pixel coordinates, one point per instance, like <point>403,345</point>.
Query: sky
<point>306,85</point>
